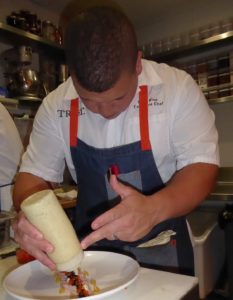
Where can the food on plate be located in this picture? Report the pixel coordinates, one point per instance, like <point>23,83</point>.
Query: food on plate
<point>76,285</point>
<point>44,211</point>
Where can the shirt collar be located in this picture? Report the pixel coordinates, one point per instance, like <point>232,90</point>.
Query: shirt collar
<point>148,77</point>
<point>71,91</point>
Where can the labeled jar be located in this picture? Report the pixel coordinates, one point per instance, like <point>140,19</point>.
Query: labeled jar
<point>224,62</point>
<point>224,78</point>
<point>212,66</point>
<point>212,80</point>
<point>224,93</point>
<point>213,94</point>
<point>48,30</point>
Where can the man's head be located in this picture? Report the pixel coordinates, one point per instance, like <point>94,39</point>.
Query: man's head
<point>100,45</point>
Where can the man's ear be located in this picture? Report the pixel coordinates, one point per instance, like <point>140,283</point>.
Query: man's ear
<point>139,63</point>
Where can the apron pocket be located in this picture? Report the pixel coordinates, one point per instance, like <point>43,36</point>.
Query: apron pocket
<point>164,256</point>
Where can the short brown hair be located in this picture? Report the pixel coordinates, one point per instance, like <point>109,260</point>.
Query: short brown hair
<point>100,43</point>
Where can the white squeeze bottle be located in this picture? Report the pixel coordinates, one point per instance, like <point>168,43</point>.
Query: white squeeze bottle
<point>44,211</point>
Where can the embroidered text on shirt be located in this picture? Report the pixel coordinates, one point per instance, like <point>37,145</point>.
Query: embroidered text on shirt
<point>66,113</point>
<point>151,102</point>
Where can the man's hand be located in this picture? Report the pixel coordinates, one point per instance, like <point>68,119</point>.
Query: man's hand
<point>130,220</point>
<point>31,240</point>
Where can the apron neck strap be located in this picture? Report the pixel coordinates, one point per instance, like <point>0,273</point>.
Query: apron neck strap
<point>73,122</point>
<point>143,117</point>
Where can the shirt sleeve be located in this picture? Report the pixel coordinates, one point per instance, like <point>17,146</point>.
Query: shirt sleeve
<point>45,153</point>
<point>11,147</point>
<point>193,133</point>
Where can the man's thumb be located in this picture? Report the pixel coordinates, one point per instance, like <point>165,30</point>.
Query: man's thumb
<point>118,187</point>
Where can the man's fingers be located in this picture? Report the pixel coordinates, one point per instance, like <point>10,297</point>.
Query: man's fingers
<point>105,231</point>
<point>93,237</point>
<point>107,217</point>
<point>21,223</point>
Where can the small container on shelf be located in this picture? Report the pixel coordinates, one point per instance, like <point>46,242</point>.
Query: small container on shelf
<point>212,66</point>
<point>212,80</point>
<point>202,74</point>
<point>224,63</point>
<point>48,30</point>
<point>213,94</point>
<point>224,78</point>
<point>224,93</point>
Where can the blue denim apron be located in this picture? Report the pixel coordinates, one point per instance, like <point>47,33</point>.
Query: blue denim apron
<point>137,168</point>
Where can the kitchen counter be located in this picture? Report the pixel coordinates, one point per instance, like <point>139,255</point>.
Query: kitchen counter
<point>150,285</point>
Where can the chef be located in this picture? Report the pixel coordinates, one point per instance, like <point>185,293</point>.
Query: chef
<point>10,152</point>
<point>139,139</point>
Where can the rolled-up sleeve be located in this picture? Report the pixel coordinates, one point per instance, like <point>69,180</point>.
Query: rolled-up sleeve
<point>194,135</point>
<point>45,153</point>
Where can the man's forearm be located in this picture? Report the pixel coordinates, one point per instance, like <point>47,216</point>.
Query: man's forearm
<point>186,190</point>
<point>26,185</point>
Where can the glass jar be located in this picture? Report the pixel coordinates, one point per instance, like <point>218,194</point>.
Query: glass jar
<point>48,30</point>
<point>212,80</point>
<point>224,92</point>
<point>224,62</point>
<point>224,78</point>
<point>213,94</point>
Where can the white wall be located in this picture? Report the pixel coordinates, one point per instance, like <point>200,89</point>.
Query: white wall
<point>190,14</point>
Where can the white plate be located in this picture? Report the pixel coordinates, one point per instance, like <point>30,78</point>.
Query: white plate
<point>112,272</point>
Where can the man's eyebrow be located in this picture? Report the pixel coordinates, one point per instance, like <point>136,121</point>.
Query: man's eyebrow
<point>120,97</point>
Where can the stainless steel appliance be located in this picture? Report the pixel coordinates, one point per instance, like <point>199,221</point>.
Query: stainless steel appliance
<point>22,81</point>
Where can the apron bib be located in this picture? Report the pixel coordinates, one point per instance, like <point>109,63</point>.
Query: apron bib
<point>136,167</point>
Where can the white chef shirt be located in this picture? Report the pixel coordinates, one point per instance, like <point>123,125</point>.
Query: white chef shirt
<point>181,126</point>
<point>10,152</point>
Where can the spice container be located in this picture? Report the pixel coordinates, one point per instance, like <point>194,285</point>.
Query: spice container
<point>202,75</point>
<point>212,80</point>
<point>48,30</point>
<point>224,78</point>
<point>213,94</point>
<point>212,66</point>
<point>224,92</point>
<point>223,63</point>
